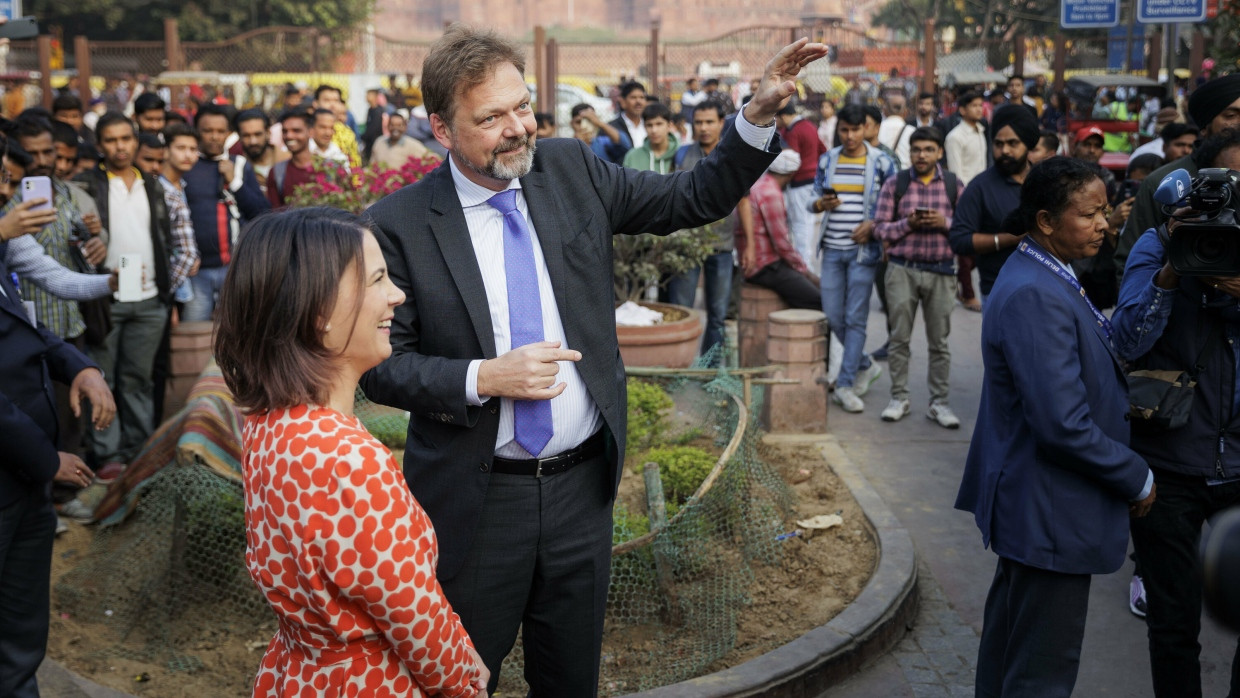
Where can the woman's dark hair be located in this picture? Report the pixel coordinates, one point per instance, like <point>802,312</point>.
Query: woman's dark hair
<point>280,290</point>
<point>1049,187</point>
<point>1207,151</point>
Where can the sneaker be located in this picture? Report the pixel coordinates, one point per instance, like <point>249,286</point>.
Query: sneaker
<point>1136,597</point>
<point>881,353</point>
<point>846,397</point>
<point>866,378</point>
<point>972,304</point>
<point>895,410</point>
<point>62,527</point>
<point>78,511</point>
<point>941,413</point>
<point>109,472</point>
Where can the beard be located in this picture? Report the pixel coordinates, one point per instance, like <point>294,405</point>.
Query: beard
<point>254,154</point>
<point>1009,166</point>
<point>496,169</point>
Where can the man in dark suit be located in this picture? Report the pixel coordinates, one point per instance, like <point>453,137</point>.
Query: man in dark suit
<point>33,358</point>
<point>1049,477</point>
<point>505,351</point>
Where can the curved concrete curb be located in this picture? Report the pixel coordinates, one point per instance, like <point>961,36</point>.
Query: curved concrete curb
<point>870,626</point>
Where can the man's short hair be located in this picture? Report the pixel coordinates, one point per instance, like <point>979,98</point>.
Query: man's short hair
<point>250,115</point>
<point>110,119</point>
<point>711,82</point>
<point>968,98</point>
<point>66,102</point>
<point>927,133</point>
<point>714,105</point>
<point>657,110</point>
<point>577,109</point>
<point>873,112</point>
<point>930,96</point>
<point>318,91</point>
<point>31,126</point>
<point>542,118</point>
<point>302,114</point>
<point>1049,140</point>
<point>65,134</point>
<point>1175,130</point>
<point>627,88</point>
<point>211,110</point>
<point>852,114</point>
<point>151,140</point>
<point>148,101</point>
<point>175,131</point>
<point>324,112</point>
<point>1146,161</point>
<point>20,157</point>
<point>459,61</point>
<point>1016,76</point>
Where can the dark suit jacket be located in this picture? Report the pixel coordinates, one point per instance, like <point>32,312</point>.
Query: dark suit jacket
<point>32,359</point>
<point>577,202</point>
<point>1049,473</point>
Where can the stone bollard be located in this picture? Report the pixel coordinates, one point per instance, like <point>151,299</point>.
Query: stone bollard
<point>798,340</point>
<point>191,350</point>
<point>757,302</point>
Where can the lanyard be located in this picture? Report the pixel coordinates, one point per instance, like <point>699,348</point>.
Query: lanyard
<point>1054,267</point>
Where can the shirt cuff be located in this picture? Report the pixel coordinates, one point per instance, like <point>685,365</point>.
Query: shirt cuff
<point>1149,485</point>
<point>757,136</point>
<point>471,384</point>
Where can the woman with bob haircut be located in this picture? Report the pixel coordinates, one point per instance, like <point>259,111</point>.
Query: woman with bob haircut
<point>334,540</point>
<point>1049,478</point>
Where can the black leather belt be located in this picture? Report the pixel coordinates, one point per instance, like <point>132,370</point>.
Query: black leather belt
<point>551,465</point>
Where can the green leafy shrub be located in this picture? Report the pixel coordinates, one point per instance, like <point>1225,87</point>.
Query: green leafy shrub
<point>682,468</point>
<point>648,406</point>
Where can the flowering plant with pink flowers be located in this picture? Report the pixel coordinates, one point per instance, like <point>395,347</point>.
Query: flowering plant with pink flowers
<point>355,190</point>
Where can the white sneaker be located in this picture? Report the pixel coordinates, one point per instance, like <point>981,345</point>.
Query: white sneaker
<point>941,413</point>
<point>866,378</point>
<point>895,410</point>
<point>846,397</point>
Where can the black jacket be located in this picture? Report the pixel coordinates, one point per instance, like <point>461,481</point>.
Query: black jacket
<point>96,183</point>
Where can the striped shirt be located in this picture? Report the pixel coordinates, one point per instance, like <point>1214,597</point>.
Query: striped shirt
<point>60,316</point>
<point>849,185</point>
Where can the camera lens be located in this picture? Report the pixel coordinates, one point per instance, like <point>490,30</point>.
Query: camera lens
<point>1220,566</point>
<point>1214,247</point>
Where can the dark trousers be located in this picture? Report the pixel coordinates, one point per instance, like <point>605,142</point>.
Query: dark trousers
<point>1031,632</point>
<point>794,287</point>
<point>71,428</point>
<point>964,276</point>
<point>1166,542</point>
<point>540,560</point>
<point>27,528</point>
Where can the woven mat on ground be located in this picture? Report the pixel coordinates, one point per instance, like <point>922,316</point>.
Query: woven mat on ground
<point>207,431</point>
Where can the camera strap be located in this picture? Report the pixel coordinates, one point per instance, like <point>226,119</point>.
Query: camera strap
<point>1046,261</point>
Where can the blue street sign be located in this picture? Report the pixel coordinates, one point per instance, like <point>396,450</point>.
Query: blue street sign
<point>1118,40</point>
<point>1160,11</point>
<point>1086,14</point>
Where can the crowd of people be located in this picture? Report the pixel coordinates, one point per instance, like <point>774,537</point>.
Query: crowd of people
<point>480,300</point>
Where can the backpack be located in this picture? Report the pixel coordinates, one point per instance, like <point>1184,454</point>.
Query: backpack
<point>904,178</point>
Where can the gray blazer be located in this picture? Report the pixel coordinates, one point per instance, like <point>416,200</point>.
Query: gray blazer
<point>577,202</point>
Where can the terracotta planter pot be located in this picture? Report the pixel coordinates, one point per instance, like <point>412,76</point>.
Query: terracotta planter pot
<point>673,343</point>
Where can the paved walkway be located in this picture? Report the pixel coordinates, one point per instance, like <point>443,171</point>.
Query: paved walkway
<point>915,466</point>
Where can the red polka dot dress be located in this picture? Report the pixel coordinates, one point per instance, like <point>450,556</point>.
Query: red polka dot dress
<point>346,559</point>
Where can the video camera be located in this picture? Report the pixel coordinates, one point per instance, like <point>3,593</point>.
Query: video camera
<point>1207,240</point>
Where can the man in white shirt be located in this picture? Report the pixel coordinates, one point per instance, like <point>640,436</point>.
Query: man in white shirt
<point>966,146</point>
<point>894,131</point>
<point>321,135</point>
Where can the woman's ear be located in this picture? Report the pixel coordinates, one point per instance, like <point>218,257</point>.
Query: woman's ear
<point>1044,223</point>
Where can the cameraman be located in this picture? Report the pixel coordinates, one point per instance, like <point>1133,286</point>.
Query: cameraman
<point>1168,322</point>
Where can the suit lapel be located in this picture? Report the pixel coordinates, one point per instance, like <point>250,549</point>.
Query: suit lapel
<point>1078,303</point>
<point>548,216</point>
<point>452,235</point>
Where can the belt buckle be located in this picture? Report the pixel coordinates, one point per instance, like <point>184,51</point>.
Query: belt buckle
<point>538,466</point>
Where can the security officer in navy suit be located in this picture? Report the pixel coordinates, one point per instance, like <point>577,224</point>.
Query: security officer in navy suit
<point>33,358</point>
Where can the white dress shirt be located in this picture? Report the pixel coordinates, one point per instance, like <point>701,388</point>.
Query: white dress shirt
<point>636,130</point>
<point>574,415</point>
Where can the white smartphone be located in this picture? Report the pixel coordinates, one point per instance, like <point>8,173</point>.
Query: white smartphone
<point>129,286</point>
<point>37,188</point>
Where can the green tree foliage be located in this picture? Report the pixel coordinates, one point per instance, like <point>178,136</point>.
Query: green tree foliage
<point>200,20</point>
<point>1222,42</point>
<point>974,20</point>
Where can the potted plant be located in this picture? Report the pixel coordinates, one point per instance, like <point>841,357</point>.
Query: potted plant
<point>331,186</point>
<point>645,262</point>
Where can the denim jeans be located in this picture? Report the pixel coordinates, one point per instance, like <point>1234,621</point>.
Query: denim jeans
<point>682,288</point>
<point>206,284</point>
<point>847,280</point>
<point>1167,541</point>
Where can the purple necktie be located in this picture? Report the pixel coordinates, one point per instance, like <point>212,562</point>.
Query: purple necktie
<point>531,418</point>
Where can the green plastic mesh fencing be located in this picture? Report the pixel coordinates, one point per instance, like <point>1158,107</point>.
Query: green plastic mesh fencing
<point>174,571</point>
